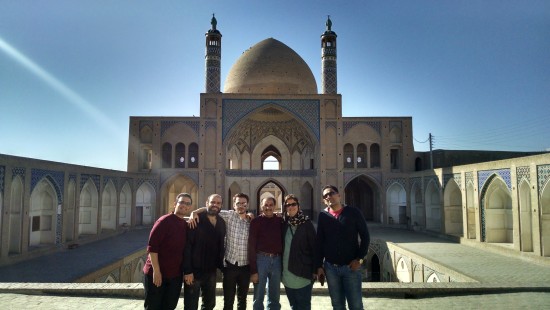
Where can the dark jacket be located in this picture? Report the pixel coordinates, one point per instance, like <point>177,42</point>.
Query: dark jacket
<point>302,250</point>
<point>205,247</point>
<point>338,239</point>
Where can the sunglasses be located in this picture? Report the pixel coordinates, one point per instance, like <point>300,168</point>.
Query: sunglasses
<point>294,204</point>
<point>329,194</point>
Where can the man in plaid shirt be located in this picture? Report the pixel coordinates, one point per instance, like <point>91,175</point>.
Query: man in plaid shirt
<point>236,276</point>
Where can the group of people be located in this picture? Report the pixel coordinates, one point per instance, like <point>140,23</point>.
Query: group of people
<point>265,250</point>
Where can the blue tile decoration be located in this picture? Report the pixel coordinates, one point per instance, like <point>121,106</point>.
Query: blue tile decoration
<point>332,124</point>
<point>94,177</point>
<point>123,181</point>
<point>234,110</point>
<point>455,176</point>
<point>483,176</point>
<point>165,125</point>
<point>433,178</point>
<point>469,176</point>
<point>145,123</point>
<point>18,171</point>
<point>523,173</point>
<point>210,124</point>
<point>153,182</point>
<point>56,178</point>
<point>400,181</point>
<point>350,124</point>
<point>543,174</point>
<point>108,178</point>
<point>2,173</point>
<point>72,177</point>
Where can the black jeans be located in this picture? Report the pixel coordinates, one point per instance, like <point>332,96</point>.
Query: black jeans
<point>235,279</point>
<point>204,286</point>
<point>164,297</point>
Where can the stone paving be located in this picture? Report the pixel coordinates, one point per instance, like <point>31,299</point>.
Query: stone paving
<point>485,301</point>
<point>498,274</point>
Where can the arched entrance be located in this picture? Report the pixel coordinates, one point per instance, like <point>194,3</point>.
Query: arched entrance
<point>496,210</point>
<point>177,184</point>
<point>363,193</point>
<point>273,189</point>
<point>453,209</point>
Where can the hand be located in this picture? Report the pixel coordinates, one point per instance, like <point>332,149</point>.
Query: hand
<point>254,278</point>
<point>321,276</point>
<point>193,220</point>
<point>250,216</point>
<point>189,279</point>
<point>157,278</point>
<point>354,265</point>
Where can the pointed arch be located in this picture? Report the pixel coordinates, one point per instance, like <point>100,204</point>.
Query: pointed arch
<point>452,208</point>
<point>109,206</point>
<point>375,155</point>
<point>125,210</point>
<point>176,184</point>
<point>396,201</point>
<point>349,157</point>
<point>233,189</point>
<point>496,211</point>
<point>16,215</point>
<point>88,209</point>
<point>145,204</point>
<point>271,188</point>
<point>433,206</point>
<point>402,271</point>
<point>364,193</point>
<point>42,213</point>
<point>418,212</point>
<point>275,142</point>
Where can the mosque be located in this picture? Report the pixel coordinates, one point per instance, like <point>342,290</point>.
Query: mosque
<point>270,132</point>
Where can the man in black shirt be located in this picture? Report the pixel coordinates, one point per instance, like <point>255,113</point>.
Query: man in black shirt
<point>203,255</point>
<point>342,242</point>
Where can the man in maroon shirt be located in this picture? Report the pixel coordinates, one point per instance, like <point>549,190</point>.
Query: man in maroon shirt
<point>265,246</point>
<point>163,268</point>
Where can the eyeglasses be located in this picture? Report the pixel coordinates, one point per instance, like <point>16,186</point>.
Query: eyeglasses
<point>241,203</point>
<point>329,194</point>
<point>185,203</point>
<point>294,204</point>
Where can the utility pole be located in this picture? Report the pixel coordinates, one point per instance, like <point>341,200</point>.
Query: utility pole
<point>431,152</point>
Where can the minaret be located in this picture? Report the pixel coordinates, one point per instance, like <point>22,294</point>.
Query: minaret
<point>213,58</point>
<point>329,78</point>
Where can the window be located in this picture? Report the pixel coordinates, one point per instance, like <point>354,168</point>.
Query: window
<point>362,156</point>
<point>375,156</point>
<point>179,159</point>
<point>348,156</point>
<point>166,155</point>
<point>193,156</point>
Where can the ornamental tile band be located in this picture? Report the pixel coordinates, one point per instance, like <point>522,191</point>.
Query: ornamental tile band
<point>236,109</point>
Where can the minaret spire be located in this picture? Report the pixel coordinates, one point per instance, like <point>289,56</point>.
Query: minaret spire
<point>213,58</point>
<point>329,81</point>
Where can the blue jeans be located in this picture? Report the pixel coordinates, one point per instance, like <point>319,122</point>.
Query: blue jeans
<point>269,272</point>
<point>299,298</point>
<point>344,284</point>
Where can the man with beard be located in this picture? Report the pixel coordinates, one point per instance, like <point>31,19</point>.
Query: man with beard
<point>236,274</point>
<point>163,269</point>
<point>203,255</point>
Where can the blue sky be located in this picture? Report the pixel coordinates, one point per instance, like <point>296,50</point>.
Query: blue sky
<point>475,74</point>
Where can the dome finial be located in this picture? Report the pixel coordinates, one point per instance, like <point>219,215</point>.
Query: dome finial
<point>328,23</point>
<point>213,22</point>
